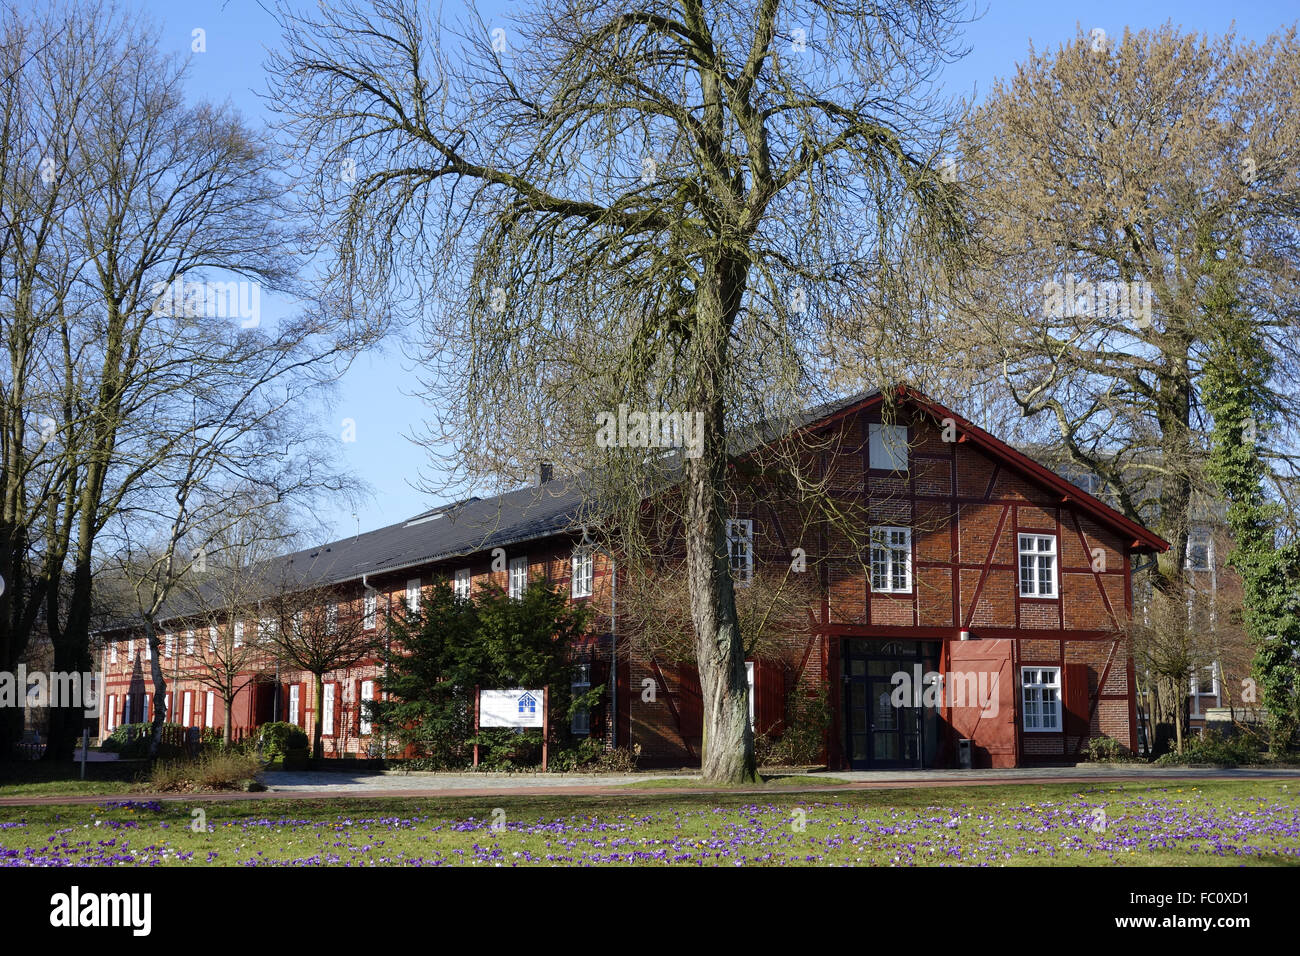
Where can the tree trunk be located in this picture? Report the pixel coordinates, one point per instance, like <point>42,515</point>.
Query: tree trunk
<point>318,722</point>
<point>728,755</point>
<point>227,733</point>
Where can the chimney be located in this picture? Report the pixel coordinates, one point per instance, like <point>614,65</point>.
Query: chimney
<point>545,473</point>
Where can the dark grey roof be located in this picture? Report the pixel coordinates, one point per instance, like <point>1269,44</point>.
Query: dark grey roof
<point>439,534</point>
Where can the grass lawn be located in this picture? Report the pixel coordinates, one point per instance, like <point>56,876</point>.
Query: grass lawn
<point>36,778</point>
<point>1226,823</point>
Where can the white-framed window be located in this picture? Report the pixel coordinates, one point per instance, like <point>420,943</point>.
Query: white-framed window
<point>295,702</point>
<point>112,712</point>
<point>1038,565</point>
<point>369,609</point>
<point>888,451</point>
<point>332,619</point>
<point>112,652</point>
<point>169,645</point>
<point>189,641</point>
<point>413,595</point>
<point>518,576</point>
<point>212,638</point>
<point>740,549</point>
<point>187,703</point>
<point>327,711</point>
<point>148,714</point>
<point>239,633</point>
<point>1205,680</point>
<point>1200,550</point>
<point>266,628</point>
<point>367,693</point>
<point>460,583</point>
<point>749,679</point>
<point>297,624</point>
<point>1040,689</point>
<point>127,716</point>
<point>582,573</point>
<point>891,560</point>
<point>148,649</point>
<point>208,707</point>
<point>580,724</point>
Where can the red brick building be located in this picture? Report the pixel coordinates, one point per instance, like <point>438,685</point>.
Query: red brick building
<point>981,566</point>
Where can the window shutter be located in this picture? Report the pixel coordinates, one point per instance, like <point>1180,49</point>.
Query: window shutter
<point>1075,697</point>
<point>769,693</point>
<point>690,702</point>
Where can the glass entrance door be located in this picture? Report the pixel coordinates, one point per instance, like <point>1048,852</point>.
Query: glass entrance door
<point>879,734</point>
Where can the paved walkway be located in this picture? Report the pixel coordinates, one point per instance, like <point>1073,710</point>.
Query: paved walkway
<point>333,785</point>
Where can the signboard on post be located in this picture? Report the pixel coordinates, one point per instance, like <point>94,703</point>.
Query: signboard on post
<point>516,707</point>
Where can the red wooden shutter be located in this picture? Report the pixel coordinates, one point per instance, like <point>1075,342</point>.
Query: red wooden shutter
<point>1076,698</point>
<point>690,702</point>
<point>769,698</point>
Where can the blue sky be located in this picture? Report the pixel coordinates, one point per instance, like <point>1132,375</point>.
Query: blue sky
<point>376,391</point>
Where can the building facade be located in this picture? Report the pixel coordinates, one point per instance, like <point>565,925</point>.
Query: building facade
<point>978,617</point>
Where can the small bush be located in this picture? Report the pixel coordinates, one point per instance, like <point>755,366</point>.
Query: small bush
<point>1108,750</point>
<point>808,718</point>
<point>278,739</point>
<point>1213,748</point>
<point>215,770</point>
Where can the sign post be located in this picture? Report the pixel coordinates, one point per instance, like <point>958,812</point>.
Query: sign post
<point>516,707</point>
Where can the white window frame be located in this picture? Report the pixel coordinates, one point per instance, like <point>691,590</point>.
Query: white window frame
<point>212,638</point>
<point>740,549</point>
<point>1197,535</point>
<point>189,641</point>
<point>208,706</point>
<point>295,702</point>
<point>517,577</point>
<point>327,709</point>
<point>148,649</point>
<point>169,644</point>
<point>580,722</point>
<point>239,634</point>
<point>369,610</point>
<point>367,693</point>
<point>749,679</point>
<point>413,595</point>
<point>187,708</point>
<point>887,541</point>
<point>888,448</point>
<point>112,652</point>
<point>265,628</point>
<point>461,581</point>
<point>581,566</point>
<point>1037,554</point>
<point>1041,690</point>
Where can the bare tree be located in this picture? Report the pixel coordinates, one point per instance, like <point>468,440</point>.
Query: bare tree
<point>1107,182</point>
<point>317,630</point>
<point>141,347</point>
<point>658,205</point>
